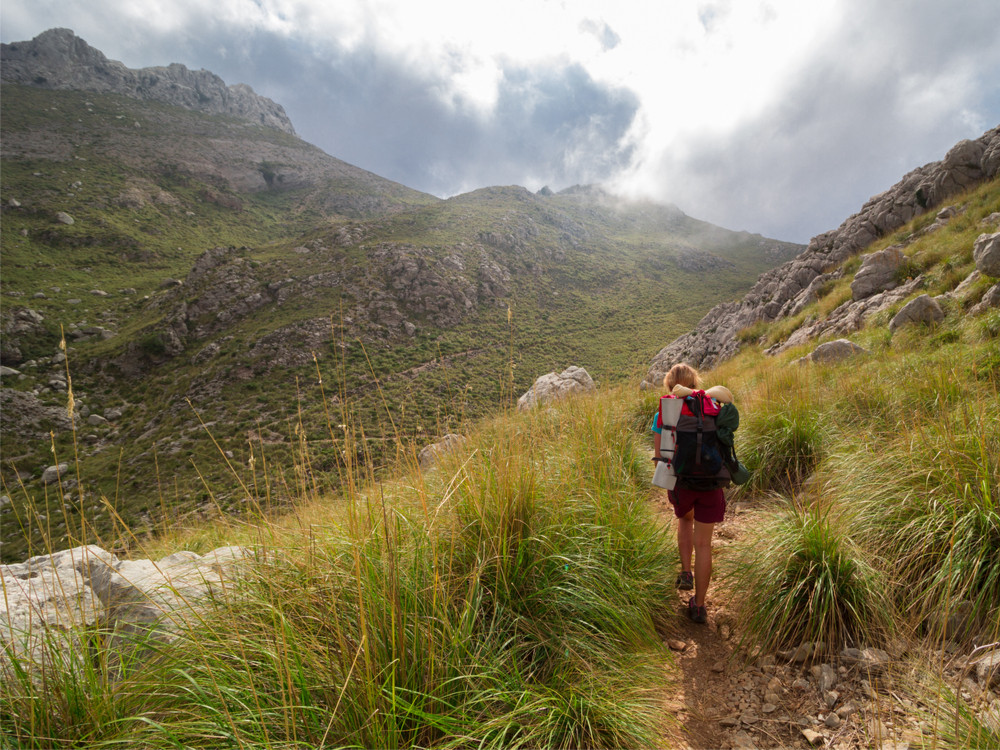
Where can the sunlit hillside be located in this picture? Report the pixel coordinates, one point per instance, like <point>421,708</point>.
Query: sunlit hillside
<point>207,273</point>
<point>519,593</point>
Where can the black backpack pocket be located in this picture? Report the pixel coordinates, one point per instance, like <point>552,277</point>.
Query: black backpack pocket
<point>688,463</point>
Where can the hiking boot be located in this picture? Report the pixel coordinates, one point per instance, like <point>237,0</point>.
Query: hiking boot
<point>696,613</point>
<point>685,580</point>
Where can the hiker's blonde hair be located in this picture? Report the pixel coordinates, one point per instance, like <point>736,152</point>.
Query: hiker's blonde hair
<point>683,374</point>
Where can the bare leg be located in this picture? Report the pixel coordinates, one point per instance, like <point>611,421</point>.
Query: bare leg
<point>702,539</point>
<point>685,539</point>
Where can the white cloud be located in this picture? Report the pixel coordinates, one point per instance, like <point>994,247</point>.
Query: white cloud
<point>779,116</point>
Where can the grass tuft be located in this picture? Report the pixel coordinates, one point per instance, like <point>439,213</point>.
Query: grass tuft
<point>800,578</point>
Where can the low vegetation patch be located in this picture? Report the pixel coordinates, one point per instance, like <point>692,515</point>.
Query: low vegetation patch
<point>507,598</point>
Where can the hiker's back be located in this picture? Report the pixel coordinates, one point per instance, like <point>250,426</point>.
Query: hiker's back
<point>699,456</point>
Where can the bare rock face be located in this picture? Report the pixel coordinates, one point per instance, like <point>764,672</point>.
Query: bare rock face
<point>58,59</point>
<point>785,290</point>
<point>986,253</point>
<point>923,309</point>
<point>877,273</point>
<point>551,387</point>
<point>49,598</point>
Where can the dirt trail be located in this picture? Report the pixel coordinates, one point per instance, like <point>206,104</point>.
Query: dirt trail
<point>712,677</point>
<point>800,697</point>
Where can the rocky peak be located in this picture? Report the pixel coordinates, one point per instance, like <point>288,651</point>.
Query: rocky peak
<point>58,59</point>
<point>785,290</point>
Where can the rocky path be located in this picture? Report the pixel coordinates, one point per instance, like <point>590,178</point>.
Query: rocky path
<point>726,700</point>
<point>812,696</point>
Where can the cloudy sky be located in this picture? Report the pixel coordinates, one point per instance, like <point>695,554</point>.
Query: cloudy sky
<point>775,116</point>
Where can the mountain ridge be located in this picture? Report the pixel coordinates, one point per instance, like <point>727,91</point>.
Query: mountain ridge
<point>784,291</point>
<point>57,58</point>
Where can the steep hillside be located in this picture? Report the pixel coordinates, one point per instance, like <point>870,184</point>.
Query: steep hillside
<point>788,291</point>
<point>207,271</point>
<point>519,591</point>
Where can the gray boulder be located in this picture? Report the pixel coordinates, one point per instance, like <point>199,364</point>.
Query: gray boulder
<point>830,352</point>
<point>140,593</point>
<point>64,218</point>
<point>429,454</point>
<point>965,288</point>
<point>872,660</point>
<point>989,300</point>
<point>49,598</point>
<point>46,598</point>
<point>550,387</point>
<point>986,253</point>
<point>52,474</point>
<point>923,309</point>
<point>113,413</point>
<point>878,273</point>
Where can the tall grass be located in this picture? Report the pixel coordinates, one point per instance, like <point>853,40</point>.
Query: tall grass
<point>782,435</point>
<point>931,500</point>
<point>800,577</point>
<point>507,598</point>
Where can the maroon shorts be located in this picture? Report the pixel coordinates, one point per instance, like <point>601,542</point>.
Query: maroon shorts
<point>709,506</point>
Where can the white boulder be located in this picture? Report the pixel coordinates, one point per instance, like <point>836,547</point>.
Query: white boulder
<point>554,386</point>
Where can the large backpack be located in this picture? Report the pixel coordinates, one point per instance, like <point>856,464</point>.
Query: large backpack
<point>698,458</point>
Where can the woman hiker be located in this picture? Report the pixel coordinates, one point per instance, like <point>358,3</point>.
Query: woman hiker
<point>697,511</point>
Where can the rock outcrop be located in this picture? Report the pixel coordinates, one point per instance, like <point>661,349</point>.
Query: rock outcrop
<point>18,327</point>
<point>847,318</point>
<point>923,309</point>
<point>552,386</point>
<point>49,598</point>
<point>58,59</point>
<point>25,417</point>
<point>785,290</point>
<point>986,253</point>
<point>399,288</point>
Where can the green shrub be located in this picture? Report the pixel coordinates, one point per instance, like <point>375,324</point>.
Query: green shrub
<point>799,577</point>
<point>785,443</point>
